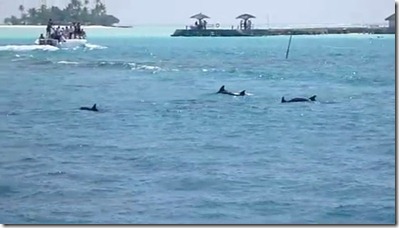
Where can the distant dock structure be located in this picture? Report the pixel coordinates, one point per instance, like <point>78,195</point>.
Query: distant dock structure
<point>391,22</point>
<point>245,23</point>
<point>246,28</point>
<point>201,23</point>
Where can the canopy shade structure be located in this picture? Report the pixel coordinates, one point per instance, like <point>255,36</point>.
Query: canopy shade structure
<point>390,18</point>
<point>199,16</point>
<point>245,16</point>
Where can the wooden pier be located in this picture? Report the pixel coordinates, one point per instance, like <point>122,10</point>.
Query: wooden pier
<point>276,32</point>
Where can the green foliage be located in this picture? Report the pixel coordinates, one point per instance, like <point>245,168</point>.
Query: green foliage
<point>75,11</point>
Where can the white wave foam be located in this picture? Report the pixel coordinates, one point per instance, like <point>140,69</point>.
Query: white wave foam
<point>68,63</point>
<point>28,48</point>
<point>21,57</point>
<point>94,46</point>
<point>147,67</point>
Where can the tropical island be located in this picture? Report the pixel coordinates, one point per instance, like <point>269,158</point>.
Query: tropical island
<point>75,11</point>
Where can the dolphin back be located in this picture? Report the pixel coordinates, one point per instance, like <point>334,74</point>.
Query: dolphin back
<point>94,108</point>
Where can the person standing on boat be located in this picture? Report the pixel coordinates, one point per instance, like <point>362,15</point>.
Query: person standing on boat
<point>78,31</point>
<point>42,40</point>
<point>58,33</point>
<point>66,32</point>
<point>71,31</point>
<point>75,29</point>
<point>49,27</point>
<point>83,34</point>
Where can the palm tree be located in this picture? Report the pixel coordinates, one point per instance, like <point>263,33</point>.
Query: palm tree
<point>14,20</point>
<point>32,12</point>
<point>97,8</point>
<point>85,12</point>
<point>76,4</point>
<point>76,10</point>
<point>43,8</point>
<point>102,9</point>
<point>32,16</point>
<point>43,15</point>
<point>22,9</point>
<point>7,21</point>
<point>86,7</point>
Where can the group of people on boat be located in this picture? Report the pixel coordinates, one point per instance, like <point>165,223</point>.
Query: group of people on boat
<point>74,31</point>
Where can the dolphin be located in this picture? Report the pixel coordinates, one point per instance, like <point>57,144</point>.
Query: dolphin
<point>313,98</point>
<point>222,90</point>
<point>93,109</point>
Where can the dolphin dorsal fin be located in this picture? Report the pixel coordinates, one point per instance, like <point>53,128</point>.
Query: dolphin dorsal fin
<point>242,93</point>
<point>313,98</point>
<point>283,100</point>
<point>94,106</point>
<point>221,89</point>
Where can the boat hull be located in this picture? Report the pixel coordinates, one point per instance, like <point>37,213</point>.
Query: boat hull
<point>71,43</point>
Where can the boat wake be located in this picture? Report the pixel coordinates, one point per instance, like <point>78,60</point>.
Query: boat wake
<point>28,48</point>
<point>34,47</point>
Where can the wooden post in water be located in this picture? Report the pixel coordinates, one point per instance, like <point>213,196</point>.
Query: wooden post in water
<point>288,48</point>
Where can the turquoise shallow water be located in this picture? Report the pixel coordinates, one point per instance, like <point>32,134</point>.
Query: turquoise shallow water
<point>165,148</point>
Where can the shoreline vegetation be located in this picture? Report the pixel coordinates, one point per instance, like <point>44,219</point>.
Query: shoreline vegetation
<point>75,11</point>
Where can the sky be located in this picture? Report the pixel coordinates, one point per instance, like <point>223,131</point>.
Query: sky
<point>178,12</point>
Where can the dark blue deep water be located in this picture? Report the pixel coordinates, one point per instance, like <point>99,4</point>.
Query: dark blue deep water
<point>165,148</point>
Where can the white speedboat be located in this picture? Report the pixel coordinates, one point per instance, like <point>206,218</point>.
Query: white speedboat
<point>69,43</point>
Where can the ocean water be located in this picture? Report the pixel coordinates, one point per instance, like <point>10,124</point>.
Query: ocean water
<point>164,148</point>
